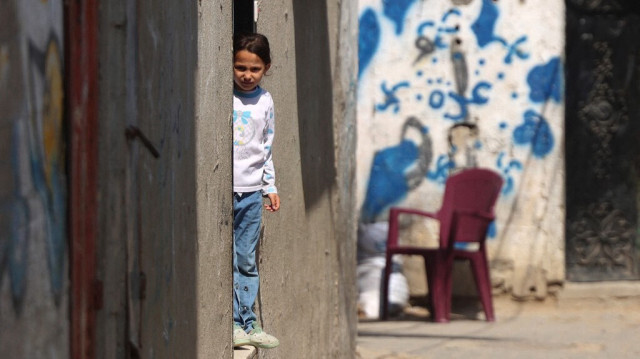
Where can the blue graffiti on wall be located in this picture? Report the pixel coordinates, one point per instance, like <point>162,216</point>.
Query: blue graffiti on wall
<point>505,168</point>
<point>369,39</point>
<point>36,205</point>
<point>390,96</point>
<point>15,214</point>
<point>535,131</point>
<point>387,184</point>
<point>492,231</point>
<point>443,28</point>
<point>454,104</point>
<point>436,99</point>
<point>396,10</point>
<point>441,172</point>
<point>395,171</point>
<point>546,81</point>
<point>484,29</point>
<point>476,98</point>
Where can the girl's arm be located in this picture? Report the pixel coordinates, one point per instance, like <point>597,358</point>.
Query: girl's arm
<point>269,173</point>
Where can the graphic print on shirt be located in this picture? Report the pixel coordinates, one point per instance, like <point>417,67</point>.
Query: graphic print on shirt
<point>243,131</point>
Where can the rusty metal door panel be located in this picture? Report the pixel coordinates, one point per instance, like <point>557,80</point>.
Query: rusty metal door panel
<point>82,71</point>
<point>603,140</point>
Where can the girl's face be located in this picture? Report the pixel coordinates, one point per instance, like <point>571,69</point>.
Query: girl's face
<point>248,69</point>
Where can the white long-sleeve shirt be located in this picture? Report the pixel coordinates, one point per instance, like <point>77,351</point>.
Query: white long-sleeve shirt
<point>253,132</point>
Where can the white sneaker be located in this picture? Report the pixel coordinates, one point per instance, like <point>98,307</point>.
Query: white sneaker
<point>240,337</point>
<point>258,338</point>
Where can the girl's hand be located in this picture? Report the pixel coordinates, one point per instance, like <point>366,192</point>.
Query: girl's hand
<point>275,202</point>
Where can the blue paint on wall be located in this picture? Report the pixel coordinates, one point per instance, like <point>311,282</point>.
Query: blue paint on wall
<point>484,26</point>
<point>16,250</point>
<point>387,184</point>
<point>443,164</point>
<point>477,97</point>
<point>514,50</point>
<point>446,15</point>
<point>462,107</point>
<point>436,99</point>
<point>484,29</point>
<point>535,131</point>
<point>546,81</point>
<point>390,96</point>
<point>369,39</point>
<point>506,168</point>
<point>14,242</point>
<point>492,231</point>
<point>53,196</point>
<point>425,25</point>
<point>441,29</point>
<point>396,11</point>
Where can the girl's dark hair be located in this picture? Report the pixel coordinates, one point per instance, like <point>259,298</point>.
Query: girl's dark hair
<point>255,44</point>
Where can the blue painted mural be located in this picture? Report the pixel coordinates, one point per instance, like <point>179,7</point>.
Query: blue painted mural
<point>33,200</point>
<point>369,38</point>
<point>397,170</point>
<point>439,32</point>
<point>390,96</point>
<point>505,167</point>
<point>484,28</point>
<point>546,81</point>
<point>535,131</point>
<point>396,10</point>
<point>475,85</point>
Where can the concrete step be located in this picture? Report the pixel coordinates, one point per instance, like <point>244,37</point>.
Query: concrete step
<point>599,290</point>
<point>245,352</point>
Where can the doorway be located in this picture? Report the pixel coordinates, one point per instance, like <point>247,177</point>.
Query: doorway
<point>244,16</point>
<point>602,147</point>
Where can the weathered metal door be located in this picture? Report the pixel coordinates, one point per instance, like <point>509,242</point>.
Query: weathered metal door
<point>603,140</point>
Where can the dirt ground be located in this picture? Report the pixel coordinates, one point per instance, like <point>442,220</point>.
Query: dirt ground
<point>569,328</point>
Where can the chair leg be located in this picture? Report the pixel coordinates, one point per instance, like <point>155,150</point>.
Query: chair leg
<point>449,285</point>
<point>429,270</point>
<point>483,283</point>
<point>384,290</point>
<point>439,298</point>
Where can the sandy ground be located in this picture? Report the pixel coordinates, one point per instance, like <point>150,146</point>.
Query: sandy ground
<point>571,328</point>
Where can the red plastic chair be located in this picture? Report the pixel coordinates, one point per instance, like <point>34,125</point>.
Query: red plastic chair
<point>465,215</point>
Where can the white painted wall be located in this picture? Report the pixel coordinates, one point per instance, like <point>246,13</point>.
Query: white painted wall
<point>514,54</point>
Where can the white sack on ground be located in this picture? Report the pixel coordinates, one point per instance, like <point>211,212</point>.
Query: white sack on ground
<point>372,239</point>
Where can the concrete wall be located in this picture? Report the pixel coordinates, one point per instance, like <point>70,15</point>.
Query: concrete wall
<point>166,69</point>
<point>166,220</point>
<point>34,297</point>
<point>164,233</point>
<point>496,65</point>
<point>307,257</point>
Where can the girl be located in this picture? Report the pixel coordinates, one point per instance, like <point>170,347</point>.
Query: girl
<point>253,177</point>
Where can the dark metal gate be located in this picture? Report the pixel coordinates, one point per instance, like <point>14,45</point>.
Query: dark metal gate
<point>603,140</point>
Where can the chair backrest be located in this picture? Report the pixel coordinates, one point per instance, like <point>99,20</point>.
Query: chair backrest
<point>473,189</point>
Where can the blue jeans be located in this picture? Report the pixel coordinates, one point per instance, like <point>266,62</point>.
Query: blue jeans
<point>247,217</point>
